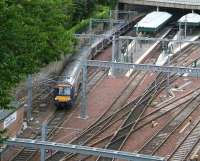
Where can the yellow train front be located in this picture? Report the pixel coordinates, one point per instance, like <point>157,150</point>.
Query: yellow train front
<point>64,95</point>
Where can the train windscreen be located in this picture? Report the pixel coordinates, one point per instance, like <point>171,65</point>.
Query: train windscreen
<point>64,91</point>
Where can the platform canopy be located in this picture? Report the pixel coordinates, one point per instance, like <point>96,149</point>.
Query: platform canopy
<point>153,21</point>
<point>192,19</point>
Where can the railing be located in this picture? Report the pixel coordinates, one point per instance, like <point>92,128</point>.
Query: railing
<point>183,2</point>
<point>191,2</point>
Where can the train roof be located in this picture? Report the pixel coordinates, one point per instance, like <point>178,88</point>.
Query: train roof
<point>153,21</point>
<point>190,19</point>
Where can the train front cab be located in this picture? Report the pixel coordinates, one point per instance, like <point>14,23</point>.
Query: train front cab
<point>64,96</point>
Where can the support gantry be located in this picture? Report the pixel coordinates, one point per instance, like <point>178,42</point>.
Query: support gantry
<point>85,150</point>
<point>195,72</point>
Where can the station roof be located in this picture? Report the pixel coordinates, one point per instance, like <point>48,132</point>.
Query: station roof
<point>190,18</point>
<point>153,20</point>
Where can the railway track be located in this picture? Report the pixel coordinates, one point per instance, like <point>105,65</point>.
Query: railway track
<point>130,122</point>
<point>94,78</point>
<point>111,146</point>
<point>154,143</point>
<point>118,140</point>
<point>99,142</point>
<point>22,154</point>
<point>163,110</point>
<point>107,137</point>
<point>81,141</point>
<point>194,152</point>
<point>175,107</point>
<point>26,154</point>
<point>147,119</point>
<point>94,128</point>
<point>161,114</point>
<point>111,111</point>
<point>188,143</point>
<point>106,119</point>
<point>184,56</point>
<point>55,121</point>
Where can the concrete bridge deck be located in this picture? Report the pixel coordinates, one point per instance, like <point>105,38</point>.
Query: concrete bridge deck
<point>182,4</point>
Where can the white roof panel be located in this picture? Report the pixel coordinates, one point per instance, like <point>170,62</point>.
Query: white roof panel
<point>154,19</point>
<point>190,18</point>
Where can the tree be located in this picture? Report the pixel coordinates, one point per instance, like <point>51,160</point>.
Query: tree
<point>32,33</point>
<point>111,3</point>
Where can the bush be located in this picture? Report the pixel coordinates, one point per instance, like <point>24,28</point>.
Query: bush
<point>33,33</point>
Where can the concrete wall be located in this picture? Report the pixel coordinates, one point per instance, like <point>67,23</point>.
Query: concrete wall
<point>14,128</point>
<point>182,4</point>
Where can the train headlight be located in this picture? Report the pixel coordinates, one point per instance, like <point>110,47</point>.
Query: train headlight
<point>62,98</point>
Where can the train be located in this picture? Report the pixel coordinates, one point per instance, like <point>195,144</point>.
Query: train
<point>68,85</point>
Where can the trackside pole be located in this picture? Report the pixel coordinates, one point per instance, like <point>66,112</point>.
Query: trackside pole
<point>90,31</point>
<point>111,24</point>
<point>185,26</point>
<point>168,75</point>
<point>29,101</point>
<point>167,52</point>
<point>113,55</point>
<point>42,150</point>
<point>84,112</point>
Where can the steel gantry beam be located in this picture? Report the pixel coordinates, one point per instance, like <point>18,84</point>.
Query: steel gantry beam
<point>87,36</point>
<point>122,12</point>
<point>158,39</point>
<point>114,65</point>
<point>85,150</point>
<point>108,20</point>
<point>143,67</point>
<point>195,72</point>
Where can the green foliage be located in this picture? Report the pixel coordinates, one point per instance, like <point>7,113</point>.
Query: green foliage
<point>3,136</point>
<point>35,32</point>
<point>111,3</point>
<point>103,13</point>
<point>32,33</point>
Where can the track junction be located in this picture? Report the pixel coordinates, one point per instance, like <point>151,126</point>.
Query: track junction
<point>143,104</point>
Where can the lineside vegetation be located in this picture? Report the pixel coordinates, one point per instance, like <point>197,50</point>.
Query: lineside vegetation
<point>35,32</point>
